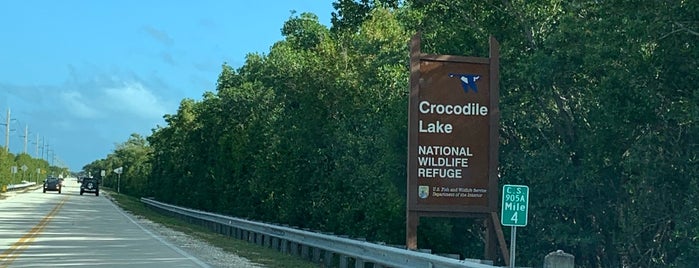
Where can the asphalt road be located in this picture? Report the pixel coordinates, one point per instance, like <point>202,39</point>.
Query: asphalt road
<point>69,230</point>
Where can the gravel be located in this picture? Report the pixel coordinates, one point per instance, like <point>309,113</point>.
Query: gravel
<point>211,255</point>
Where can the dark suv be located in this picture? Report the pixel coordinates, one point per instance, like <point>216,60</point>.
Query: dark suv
<point>52,184</point>
<point>90,185</point>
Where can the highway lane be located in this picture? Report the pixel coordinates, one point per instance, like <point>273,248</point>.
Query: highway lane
<point>69,230</point>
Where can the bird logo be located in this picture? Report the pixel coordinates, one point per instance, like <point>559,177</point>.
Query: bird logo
<point>468,81</point>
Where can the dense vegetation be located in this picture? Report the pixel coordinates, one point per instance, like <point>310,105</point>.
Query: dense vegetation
<point>9,160</point>
<point>599,107</point>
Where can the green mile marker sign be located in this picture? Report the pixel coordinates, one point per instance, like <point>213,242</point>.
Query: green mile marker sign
<point>515,203</point>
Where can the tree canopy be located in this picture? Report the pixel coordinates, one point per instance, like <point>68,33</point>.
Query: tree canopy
<point>599,117</point>
<point>10,162</point>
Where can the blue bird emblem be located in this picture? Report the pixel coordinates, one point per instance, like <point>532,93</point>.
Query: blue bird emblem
<point>467,81</point>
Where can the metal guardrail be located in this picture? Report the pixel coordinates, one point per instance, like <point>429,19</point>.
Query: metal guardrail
<point>321,248</point>
<point>11,187</point>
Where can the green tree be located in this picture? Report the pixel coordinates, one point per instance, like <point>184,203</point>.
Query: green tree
<point>6,162</point>
<point>585,85</point>
<point>134,157</point>
<point>598,116</point>
<point>349,15</point>
<point>20,161</point>
<point>170,170</point>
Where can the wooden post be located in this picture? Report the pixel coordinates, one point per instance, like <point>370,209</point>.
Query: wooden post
<point>412,218</point>
<point>411,233</point>
<point>501,237</point>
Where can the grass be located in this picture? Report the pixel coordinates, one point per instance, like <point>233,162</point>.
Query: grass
<point>253,252</point>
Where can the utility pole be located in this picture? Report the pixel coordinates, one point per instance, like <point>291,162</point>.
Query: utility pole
<point>7,131</point>
<point>43,145</point>
<point>36,154</point>
<point>26,136</point>
<point>47,152</point>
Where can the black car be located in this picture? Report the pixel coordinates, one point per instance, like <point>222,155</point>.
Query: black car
<point>90,185</point>
<point>52,184</point>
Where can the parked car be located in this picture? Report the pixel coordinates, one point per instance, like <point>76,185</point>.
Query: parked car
<point>52,184</point>
<point>90,185</point>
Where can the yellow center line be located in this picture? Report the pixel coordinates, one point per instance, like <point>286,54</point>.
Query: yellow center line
<point>12,253</point>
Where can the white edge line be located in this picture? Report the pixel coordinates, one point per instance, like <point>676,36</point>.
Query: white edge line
<point>173,247</point>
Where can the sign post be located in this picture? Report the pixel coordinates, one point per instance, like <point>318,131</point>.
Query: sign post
<point>515,205</point>
<point>24,171</point>
<point>118,171</point>
<point>13,169</point>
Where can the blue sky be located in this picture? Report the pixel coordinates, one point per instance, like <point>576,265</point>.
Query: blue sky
<point>83,75</point>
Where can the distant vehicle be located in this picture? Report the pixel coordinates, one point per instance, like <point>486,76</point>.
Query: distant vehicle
<point>90,185</point>
<point>52,184</point>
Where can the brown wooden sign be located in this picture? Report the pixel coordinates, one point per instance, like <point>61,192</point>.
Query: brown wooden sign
<point>453,134</point>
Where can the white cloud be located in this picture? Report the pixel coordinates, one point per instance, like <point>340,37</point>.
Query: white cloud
<point>75,103</point>
<point>134,99</point>
<point>85,116</point>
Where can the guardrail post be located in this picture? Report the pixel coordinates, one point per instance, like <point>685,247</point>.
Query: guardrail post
<point>358,263</point>
<point>275,244</point>
<point>284,246</point>
<point>268,241</point>
<point>304,251</point>
<point>344,261</point>
<point>559,259</point>
<point>328,258</point>
<point>294,248</point>
<point>316,255</point>
<point>250,237</point>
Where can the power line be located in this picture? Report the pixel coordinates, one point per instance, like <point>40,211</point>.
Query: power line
<point>41,144</point>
